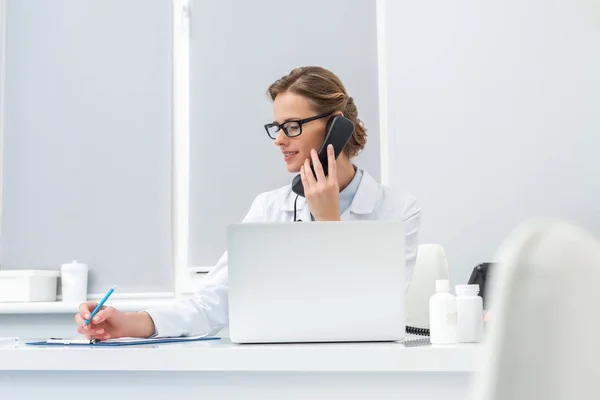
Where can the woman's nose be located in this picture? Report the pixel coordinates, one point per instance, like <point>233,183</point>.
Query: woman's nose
<point>281,138</point>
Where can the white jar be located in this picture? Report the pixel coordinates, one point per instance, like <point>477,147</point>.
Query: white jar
<point>470,314</point>
<point>442,314</point>
<point>74,282</point>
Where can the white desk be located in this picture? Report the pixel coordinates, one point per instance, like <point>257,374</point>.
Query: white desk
<point>222,370</point>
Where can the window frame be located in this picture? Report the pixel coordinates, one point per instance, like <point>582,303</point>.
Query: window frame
<point>187,278</point>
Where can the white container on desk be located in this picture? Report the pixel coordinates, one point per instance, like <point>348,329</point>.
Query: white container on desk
<point>74,282</point>
<point>28,285</point>
<point>442,314</point>
<point>469,308</point>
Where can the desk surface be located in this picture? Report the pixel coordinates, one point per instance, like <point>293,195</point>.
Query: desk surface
<point>222,355</point>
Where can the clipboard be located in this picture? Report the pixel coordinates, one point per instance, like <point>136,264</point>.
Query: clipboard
<point>118,342</point>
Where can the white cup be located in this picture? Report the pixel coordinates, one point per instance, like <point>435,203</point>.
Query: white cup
<point>74,282</point>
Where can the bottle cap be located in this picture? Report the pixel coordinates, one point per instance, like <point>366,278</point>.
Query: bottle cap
<point>442,285</point>
<point>74,266</point>
<point>466,290</point>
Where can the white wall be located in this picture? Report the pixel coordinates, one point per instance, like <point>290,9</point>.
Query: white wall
<point>494,117</point>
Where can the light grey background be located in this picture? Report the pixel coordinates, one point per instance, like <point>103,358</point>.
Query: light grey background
<point>2,91</point>
<point>238,49</point>
<point>87,147</point>
<point>494,117</point>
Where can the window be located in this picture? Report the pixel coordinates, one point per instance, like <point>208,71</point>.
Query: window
<point>2,85</point>
<point>87,141</point>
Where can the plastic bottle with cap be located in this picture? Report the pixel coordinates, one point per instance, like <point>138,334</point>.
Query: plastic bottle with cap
<point>469,308</point>
<point>442,314</point>
<point>74,282</point>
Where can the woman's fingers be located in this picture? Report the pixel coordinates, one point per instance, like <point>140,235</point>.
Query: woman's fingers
<point>79,320</point>
<point>317,166</point>
<point>310,177</point>
<point>90,330</point>
<point>83,330</point>
<point>86,308</point>
<point>98,336</point>
<point>331,162</point>
<point>303,178</point>
<point>103,314</point>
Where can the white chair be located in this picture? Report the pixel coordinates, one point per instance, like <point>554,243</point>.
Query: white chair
<point>431,264</point>
<point>544,342</point>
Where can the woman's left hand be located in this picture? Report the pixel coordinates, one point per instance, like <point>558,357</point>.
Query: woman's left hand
<point>322,192</point>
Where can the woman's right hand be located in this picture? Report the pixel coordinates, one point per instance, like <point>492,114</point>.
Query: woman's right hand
<point>108,323</point>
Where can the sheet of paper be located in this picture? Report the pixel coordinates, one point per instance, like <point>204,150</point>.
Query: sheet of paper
<point>154,339</point>
<point>69,340</point>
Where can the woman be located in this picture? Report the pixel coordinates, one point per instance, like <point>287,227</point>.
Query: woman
<point>303,101</point>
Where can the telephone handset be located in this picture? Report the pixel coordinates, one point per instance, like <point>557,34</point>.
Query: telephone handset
<point>338,131</point>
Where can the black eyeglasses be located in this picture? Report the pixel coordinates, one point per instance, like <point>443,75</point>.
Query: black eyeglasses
<point>291,128</point>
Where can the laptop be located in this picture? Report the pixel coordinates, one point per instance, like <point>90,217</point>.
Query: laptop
<point>316,282</point>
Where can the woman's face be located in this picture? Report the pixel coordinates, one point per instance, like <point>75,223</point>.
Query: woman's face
<point>289,106</point>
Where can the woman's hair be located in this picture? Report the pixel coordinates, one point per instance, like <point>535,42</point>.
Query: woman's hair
<point>327,94</point>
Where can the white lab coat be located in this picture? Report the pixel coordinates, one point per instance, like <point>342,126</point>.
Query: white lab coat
<point>207,311</point>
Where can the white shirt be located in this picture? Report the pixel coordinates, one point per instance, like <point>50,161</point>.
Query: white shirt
<point>347,195</point>
<point>207,311</point>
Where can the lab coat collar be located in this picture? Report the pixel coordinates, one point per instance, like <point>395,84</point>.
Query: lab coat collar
<point>364,201</point>
<point>367,195</point>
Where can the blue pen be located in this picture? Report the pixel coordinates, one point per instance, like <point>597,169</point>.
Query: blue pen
<point>99,306</point>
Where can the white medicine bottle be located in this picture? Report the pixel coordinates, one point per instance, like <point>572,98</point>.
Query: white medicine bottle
<point>74,282</point>
<point>469,313</point>
<point>442,314</point>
